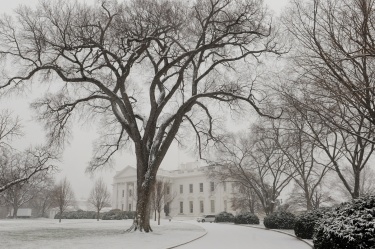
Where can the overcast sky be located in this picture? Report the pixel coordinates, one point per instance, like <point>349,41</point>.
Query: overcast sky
<point>78,153</point>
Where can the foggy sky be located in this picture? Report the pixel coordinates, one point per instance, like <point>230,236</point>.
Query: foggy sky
<point>78,153</point>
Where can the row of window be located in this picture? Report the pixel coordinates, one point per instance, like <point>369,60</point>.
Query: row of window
<point>129,207</point>
<point>129,194</point>
<point>201,206</point>
<point>212,187</point>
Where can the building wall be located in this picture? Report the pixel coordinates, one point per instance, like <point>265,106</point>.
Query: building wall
<point>123,193</point>
<point>213,198</point>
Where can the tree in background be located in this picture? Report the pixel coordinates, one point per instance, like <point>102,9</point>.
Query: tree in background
<point>25,174</point>
<point>10,127</point>
<point>334,51</point>
<point>18,167</point>
<point>63,196</point>
<point>146,68</point>
<point>99,196</point>
<point>255,163</point>
<point>43,202</point>
<point>333,71</point>
<point>245,200</point>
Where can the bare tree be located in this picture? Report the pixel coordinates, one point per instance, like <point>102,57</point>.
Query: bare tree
<point>63,196</point>
<point>366,184</point>
<point>99,196</point>
<point>9,128</point>
<point>303,153</point>
<point>322,196</point>
<point>245,200</point>
<point>23,192</point>
<point>161,196</point>
<point>144,67</point>
<point>256,163</point>
<point>334,52</point>
<point>18,168</point>
<point>344,148</point>
<point>43,202</point>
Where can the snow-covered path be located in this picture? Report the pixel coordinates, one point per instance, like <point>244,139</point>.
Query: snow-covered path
<point>224,236</point>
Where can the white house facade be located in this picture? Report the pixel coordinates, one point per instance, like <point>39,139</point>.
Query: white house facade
<point>192,192</point>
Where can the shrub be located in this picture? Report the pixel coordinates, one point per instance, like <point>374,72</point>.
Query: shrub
<point>351,225</point>
<point>305,223</point>
<point>246,218</point>
<point>224,217</point>
<point>280,220</point>
<point>77,215</point>
<point>114,214</point>
<point>117,214</point>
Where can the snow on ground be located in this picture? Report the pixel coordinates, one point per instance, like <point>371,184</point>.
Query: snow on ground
<point>289,231</point>
<point>224,236</point>
<point>92,234</point>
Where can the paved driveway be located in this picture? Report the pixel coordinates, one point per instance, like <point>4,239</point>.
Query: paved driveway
<point>227,236</point>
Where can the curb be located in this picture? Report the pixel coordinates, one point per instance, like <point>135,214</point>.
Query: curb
<point>175,246</point>
<point>279,231</point>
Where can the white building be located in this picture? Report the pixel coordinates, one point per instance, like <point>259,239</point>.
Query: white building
<point>193,193</point>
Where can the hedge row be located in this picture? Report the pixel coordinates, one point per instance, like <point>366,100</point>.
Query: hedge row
<point>114,214</point>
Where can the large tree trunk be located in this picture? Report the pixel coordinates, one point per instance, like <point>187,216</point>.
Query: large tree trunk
<point>145,183</point>
<point>97,214</point>
<point>15,211</point>
<point>142,219</point>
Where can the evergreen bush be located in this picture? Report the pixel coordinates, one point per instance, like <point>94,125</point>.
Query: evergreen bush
<point>280,220</point>
<point>246,218</point>
<point>76,215</point>
<point>224,217</point>
<point>349,226</point>
<point>305,223</point>
<point>117,214</point>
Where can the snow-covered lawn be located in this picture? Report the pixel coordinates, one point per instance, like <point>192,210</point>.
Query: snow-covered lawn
<point>92,234</point>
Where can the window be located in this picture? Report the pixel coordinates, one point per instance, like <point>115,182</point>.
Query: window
<point>225,186</point>
<point>168,190</point>
<point>130,207</point>
<point>181,189</point>
<point>212,184</point>
<point>191,207</point>
<point>191,188</point>
<point>181,207</point>
<point>201,206</point>
<point>212,206</point>
<point>201,187</point>
<point>123,193</point>
<point>225,205</point>
<point>130,192</point>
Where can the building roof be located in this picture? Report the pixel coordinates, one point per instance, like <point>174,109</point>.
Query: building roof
<point>127,171</point>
